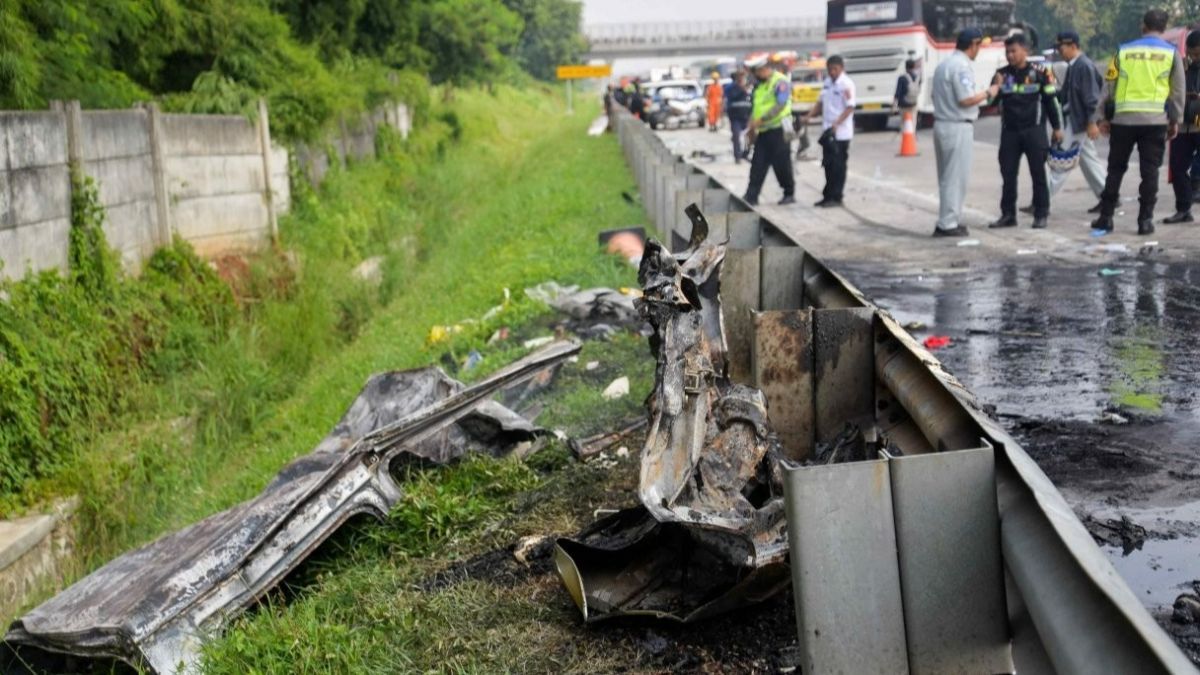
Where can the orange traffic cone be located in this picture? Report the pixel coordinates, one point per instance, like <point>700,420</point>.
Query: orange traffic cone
<point>908,136</point>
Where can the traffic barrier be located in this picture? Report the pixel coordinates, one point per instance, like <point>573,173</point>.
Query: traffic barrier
<point>1067,609</point>
<point>908,135</point>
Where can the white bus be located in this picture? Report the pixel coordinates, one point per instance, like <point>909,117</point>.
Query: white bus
<point>876,37</point>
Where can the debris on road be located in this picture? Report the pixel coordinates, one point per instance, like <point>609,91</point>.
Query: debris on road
<point>534,343</point>
<point>1120,533</point>
<point>1186,609</point>
<point>967,242</point>
<point>594,303</point>
<point>617,389</point>
<point>914,325</point>
<point>1109,272</point>
<point>709,534</point>
<point>598,126</point>
<point>155,607</point>
<point>936,342</point>
<point>591,365</point>
<point>586,448</point>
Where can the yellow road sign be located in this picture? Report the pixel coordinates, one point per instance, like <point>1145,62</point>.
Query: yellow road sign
<point>582,72</point>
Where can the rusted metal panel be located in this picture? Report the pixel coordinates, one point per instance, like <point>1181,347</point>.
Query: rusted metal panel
<point>740,295</point>
<point>782,277</point>
<point>844,354</point>
<point>951,576</point>
<point>155,607</point>
<point>783,370</point>
<point>849,614</point>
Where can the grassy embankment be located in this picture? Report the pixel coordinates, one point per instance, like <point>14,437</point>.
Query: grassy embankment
<point>502,192</point>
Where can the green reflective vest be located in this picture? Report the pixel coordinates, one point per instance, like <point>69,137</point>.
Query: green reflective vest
<point>764,100</point>
<point>1143,75</point>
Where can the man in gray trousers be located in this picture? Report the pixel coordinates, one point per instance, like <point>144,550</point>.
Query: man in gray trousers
<point>955,109</point>
<point>1080,94</point>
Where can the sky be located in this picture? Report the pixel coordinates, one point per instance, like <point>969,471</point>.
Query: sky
<point>620,11</point>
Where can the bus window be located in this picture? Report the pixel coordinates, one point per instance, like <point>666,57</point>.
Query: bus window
<point>945,18</point>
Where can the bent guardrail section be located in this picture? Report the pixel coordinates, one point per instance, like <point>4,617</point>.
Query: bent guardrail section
<point>1067,609</point>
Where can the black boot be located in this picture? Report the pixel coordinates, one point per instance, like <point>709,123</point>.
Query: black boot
<point>1006,220</point>
<point>1179,217</point>
<point>1039,223</point>
<point>1103,223</point>
<point>1145,225</point>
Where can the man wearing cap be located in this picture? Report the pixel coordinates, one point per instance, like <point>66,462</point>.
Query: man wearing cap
<point>955,109</point>
<point>1186,146</point>
<point>1143,104</point>
<point>1027,100</point>
<point>770,104</point>
<point>1079,92</point>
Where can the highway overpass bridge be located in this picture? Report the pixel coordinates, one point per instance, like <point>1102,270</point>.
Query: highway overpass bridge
<point>610,41</point>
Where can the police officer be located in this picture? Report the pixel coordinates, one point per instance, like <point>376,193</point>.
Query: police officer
<point>1185,148</point>
<point>1027,99</point>
<point>955,109</point>
<point>770,105</point>
<point>1142,78</point>
<point>737,108</point>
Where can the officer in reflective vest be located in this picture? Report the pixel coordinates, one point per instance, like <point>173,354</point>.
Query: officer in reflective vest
<point>1143,104</point>
<point>770,106</point>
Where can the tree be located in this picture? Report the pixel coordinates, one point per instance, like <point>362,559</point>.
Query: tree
<point>551,37</point>
<point>467,39</point>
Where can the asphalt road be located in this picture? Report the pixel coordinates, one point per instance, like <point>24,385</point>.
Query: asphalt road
<point>1056,329</point>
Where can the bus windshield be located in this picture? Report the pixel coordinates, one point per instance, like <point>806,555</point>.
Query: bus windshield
<point>945,18</point>
<point>849,15</point>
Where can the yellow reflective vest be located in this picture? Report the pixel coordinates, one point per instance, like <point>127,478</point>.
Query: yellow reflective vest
<point>764,100</point>
<point>1143,74</point>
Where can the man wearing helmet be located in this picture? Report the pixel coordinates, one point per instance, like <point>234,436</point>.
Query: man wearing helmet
<point>771,103</point>
<point>1027,99</point>
<point>1186,145</point>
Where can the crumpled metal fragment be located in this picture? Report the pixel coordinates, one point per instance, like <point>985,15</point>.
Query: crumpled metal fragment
<point>154,607</point>
<point>711,534</point>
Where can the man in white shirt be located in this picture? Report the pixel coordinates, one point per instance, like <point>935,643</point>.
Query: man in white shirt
<point>836,106</point>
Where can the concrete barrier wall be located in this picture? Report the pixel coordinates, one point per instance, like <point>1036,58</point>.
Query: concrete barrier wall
<point>201,177</point>
<point>117,154</point>
<point>215,178</point>
<point>35,191</point>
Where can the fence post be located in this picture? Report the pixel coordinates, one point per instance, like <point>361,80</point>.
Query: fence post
<point>74,135</point>
<point>264,141</point>
<point>162,200</point>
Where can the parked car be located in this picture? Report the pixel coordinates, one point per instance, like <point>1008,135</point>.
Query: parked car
<point>674,103</point>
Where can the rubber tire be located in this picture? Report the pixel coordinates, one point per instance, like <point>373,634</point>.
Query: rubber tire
<point>873,122</point>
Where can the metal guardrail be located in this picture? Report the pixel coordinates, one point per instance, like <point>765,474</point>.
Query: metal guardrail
<point>1068,611</point>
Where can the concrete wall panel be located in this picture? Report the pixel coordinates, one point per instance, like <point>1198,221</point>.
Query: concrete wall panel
<point>204,135</point>
<point>39,246</point>
<point>206,217</point>
<point>206,176</point>
<point>132,230</point>
<point>39,194</point>
<point>34,139</point>
<point>122,180</point>
<point>115,133</point>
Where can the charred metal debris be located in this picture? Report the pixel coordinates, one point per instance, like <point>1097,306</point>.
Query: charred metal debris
<point>154,608</point>
<point>710,533</point>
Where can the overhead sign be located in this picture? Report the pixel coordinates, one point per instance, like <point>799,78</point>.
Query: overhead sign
<point>583,72</point>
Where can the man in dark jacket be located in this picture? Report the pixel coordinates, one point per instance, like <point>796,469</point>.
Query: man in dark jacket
<point>908,88</point>
<point>737,108</point>
<point>1186,146</point>
<point>1028,99</point>
<point>1080,95</point>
